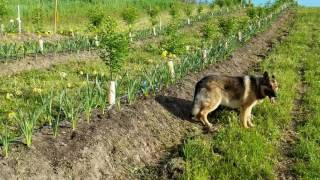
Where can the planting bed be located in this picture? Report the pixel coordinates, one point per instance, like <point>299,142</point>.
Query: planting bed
<point>136,141</point>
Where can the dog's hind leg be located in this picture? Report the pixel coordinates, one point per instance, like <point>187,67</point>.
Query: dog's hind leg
<point>209,106</point>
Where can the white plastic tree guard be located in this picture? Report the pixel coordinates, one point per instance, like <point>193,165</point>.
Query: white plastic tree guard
<point>112,93</point>
<point>171,68</point>
<point>240,36</point>
<point>204,54</point>
<point>130,36</point>
<point>97,43</point>
<point>19,20</point>
<point>41,47</point>
<point>154,30</point>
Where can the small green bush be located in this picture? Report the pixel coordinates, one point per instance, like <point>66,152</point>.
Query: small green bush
<point>114,49</point>
<point>227,26</point>
<point>3,9</point>
<point>38,18</point>
<point>210,31</point>
<point>130,15</point>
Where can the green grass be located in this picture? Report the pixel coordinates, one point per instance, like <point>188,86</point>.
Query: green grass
<point>307,148</point>
<point>73,13</point>
<point>237,153</point>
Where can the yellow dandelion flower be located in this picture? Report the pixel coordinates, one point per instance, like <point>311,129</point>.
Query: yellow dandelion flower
<point>84,83</point>
<point>164,54</point>
<point>81,72</point>
<point>9,96</point>
<point>37,90</point>
<point>63,74</point>
<point>18,92</point>
<point>69,85</point>
<point>11,115</point>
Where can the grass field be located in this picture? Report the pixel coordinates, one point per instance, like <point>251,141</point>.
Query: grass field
<point>237,153</point>
<point>73,15</point>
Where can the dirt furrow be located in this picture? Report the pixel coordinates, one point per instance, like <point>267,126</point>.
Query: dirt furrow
<point>120,144</point>
<point>287,162</point>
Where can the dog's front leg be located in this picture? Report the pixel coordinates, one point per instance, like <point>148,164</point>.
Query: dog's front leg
<point>243,116</point>
<point>249,116</point>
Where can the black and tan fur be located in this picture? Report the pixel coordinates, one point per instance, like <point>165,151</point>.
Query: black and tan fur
<point>241,92</point>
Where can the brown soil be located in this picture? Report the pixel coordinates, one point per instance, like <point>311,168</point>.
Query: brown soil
<point>43,62</point>
<point>119,144</point>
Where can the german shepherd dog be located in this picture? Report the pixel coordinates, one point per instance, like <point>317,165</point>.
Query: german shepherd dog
<point>242,92</point>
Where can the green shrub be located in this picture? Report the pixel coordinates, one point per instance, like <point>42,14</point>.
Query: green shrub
<point>188,10</point>
<point>174,44</point>
<point>96,17</point>
<point>210,31</point>
<point>153,13</point>
<point>130,15</point>
<point>38,18</point>
<point>114,48</point>
<point>227,26</point>
<point>3,9</point>
<point>174,11</point>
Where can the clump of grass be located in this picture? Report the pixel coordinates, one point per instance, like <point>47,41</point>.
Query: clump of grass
<point>27,121</point>
<point>88,99</point>
<point>47,103</point>
<point>5,139</point>
<point>71,108</point>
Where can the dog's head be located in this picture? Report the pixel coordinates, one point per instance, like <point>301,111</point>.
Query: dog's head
<point>269,86</point>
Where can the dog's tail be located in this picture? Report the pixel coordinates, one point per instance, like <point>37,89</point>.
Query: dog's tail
<point>195,104</point>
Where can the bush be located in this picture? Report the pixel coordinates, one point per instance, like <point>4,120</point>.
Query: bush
<point>38,18</point>
<point>153,13</point>
<point>113,46</point>
<point>257,12</point>
<point>173,43</point>
<point>188,10</point>
<point>210,31</point>
<point>130,15</point>
<point>173,10</point>
<point>227,26</point>
<point>96,17</point>
<point>3,8</point>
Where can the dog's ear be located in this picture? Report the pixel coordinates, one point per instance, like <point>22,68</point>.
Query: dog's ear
<point>266,75</point>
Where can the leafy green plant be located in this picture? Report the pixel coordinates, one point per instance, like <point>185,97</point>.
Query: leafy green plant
<point>101,94</point>
<point>56,121</point>
<point>188,10</point>
<point>47,103</point>
<point>3,9</point>
<point>38,18</point>
<point>27,121</point>
<point>71,108</point>
<point>174,11</point>
<point>96,17</point>
<point>130,15</point>
<point>173,43</point>
<point>114,47</point>
<point>88,99</point>
<point>5,139</point>
<point>210,31</point>
<point>227,26</point>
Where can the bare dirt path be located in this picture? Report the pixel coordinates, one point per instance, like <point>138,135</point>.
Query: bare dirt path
<point>119,144</point>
